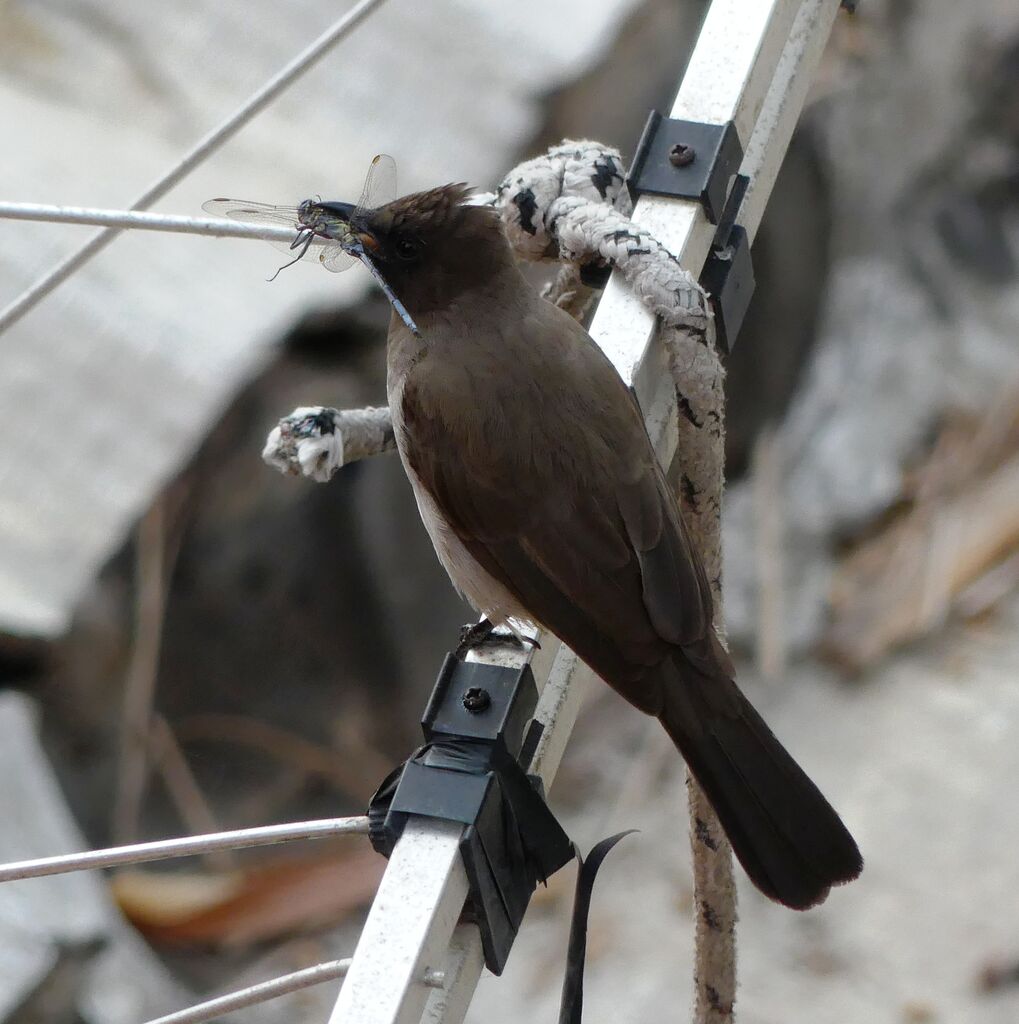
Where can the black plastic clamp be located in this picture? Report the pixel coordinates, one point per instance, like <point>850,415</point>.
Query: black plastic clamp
<point>686,160</point>
<point>728,274</point>
<point>469,770</point>
<point>691,160</point>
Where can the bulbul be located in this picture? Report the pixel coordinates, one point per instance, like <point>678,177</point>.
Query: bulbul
<point>542,495</point>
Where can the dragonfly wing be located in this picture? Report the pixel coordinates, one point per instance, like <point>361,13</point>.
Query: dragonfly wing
<point>335,258</point>
<point>260,213</point>
<point>257,213</point>
<point>380,185</point>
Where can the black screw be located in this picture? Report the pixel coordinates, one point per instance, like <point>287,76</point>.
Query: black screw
<point>682,155</point>
<point>476,699</point>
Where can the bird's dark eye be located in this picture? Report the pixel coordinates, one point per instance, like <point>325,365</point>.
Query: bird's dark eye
<point>406,249</point>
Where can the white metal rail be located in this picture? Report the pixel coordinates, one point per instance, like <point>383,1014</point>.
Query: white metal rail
<point>752,64</point>
<point>215,227</point>
<point>183,846</point>
<point>272,989</point>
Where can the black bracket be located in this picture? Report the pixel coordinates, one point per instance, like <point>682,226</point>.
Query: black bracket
<point>728,274</point>
<point>469,770</point>
<point>686,160</point>
<point>690,160</point>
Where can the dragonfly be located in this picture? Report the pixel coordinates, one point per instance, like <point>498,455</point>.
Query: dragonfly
<point>323,228</point>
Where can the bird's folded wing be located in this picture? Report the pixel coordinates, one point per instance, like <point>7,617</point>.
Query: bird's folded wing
<point>598,554</point>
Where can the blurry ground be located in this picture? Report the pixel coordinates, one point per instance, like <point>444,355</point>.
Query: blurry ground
<point>921,759</point>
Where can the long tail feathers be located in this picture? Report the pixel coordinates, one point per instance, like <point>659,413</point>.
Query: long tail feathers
<point>788,838</point>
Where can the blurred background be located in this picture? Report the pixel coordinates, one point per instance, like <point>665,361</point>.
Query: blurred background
<point>189,641</point>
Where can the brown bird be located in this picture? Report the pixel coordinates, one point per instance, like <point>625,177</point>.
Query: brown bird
<point>540,490</point>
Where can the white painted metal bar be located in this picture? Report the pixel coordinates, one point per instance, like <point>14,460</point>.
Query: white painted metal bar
<point>409,927</point>
<point>743,47</point>
<point>782,106</point>
<point>203,149</point>
<point>567,680</point>
<point>764,151</point>
<point>184,846</point>
<point>120,219</point>
<point>727,79</point>
<point>464,964</point>
<point>411,922</point>
<point>266,990</point>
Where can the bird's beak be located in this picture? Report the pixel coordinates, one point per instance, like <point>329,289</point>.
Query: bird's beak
<point>364,245</point>
<point>346,212</point>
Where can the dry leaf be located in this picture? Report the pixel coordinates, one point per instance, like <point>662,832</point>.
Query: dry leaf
<point>245,907</point>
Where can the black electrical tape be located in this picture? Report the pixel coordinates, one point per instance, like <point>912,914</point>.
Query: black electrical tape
<point>540,836</point>
<point>571,1007</point>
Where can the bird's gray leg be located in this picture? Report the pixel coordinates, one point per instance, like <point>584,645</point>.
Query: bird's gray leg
<point>477,634</point>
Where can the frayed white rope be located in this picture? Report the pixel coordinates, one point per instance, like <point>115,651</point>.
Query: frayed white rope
<point>569,205</point>
<point>670,292</point>
<point>314,441</point>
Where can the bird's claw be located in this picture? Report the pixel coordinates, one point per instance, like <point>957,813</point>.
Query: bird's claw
<point>478,634</point>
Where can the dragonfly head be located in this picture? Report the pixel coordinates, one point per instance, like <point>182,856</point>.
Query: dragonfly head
<point>305,211</point>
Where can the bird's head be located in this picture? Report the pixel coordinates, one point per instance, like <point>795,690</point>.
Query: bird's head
<point>430,247</point>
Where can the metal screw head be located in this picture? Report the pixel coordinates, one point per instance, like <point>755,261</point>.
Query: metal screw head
<point>476,699</point>
<point>682,155</point>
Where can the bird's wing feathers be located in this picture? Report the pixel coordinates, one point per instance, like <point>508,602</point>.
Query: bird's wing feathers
<point>674,587</point>
<point>599,554</point>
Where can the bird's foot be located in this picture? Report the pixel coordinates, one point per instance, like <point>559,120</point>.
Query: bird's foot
<point>473,634</point>
<point>477,634</point>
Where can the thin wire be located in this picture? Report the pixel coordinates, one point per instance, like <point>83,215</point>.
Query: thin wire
<point>266,990</point>
<point>204,148</point>
<point>260,993</point>
<point>120,219</point>
<point>184,846</point>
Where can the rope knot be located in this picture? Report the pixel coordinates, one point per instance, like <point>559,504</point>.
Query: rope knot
<point>583,172</point>
<point>572,205</point>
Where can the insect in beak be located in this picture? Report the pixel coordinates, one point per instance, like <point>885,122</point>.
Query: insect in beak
<point>302,242</point>
<point>335,220</point>
<point>337,223</point>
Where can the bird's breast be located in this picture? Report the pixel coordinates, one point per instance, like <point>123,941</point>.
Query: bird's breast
<point>485,594</point>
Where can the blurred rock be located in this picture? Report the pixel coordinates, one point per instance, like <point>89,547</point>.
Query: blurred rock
<point>63,946</point>
<point>47,925</point>
<point>905,334</point>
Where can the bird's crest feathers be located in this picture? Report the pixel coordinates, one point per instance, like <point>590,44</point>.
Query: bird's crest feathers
<point>436,208</point>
